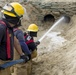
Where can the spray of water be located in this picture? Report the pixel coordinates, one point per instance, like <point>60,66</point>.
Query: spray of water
<point>55,24</point>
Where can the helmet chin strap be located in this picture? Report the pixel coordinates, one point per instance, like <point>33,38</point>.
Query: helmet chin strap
<point>18,24</point>
<point>33,34</point>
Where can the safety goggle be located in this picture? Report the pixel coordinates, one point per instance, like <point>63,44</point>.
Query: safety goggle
<point>9,8</point>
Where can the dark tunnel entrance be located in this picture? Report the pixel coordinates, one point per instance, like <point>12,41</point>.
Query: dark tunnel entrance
<point>49,18</point>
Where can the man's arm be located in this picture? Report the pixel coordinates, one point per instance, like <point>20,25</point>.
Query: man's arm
<point>17,46</point>
<point>19,50</point>
<point>20,36</point>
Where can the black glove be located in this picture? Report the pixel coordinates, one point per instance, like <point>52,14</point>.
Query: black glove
<point>37,43</point>
<point>26,58</point>
<point>29,55</point>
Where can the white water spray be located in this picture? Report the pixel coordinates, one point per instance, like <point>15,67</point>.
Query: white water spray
<point>55,24</point>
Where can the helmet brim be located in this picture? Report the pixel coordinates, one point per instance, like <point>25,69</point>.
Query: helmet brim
<point>8,13</point>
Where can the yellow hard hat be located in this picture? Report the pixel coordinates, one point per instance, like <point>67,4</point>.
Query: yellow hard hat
<point>32,28</point>
<point>13,9</point>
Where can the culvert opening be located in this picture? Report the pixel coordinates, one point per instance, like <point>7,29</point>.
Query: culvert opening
<point>49,18</point>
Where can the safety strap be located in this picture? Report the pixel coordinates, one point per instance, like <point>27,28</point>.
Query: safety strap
<point>8,41</point>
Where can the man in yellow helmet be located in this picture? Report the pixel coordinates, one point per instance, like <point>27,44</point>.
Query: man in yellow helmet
<point>28,46</point>
<point>11,18</point>
<point>32,32</point>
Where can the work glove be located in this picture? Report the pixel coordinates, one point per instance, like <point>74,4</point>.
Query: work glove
<point>26,58</point>
<point>29,55</point>
<point>37,43</point>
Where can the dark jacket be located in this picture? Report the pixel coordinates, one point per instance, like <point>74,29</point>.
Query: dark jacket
<point>30,42</point>
<point>3,41</point>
